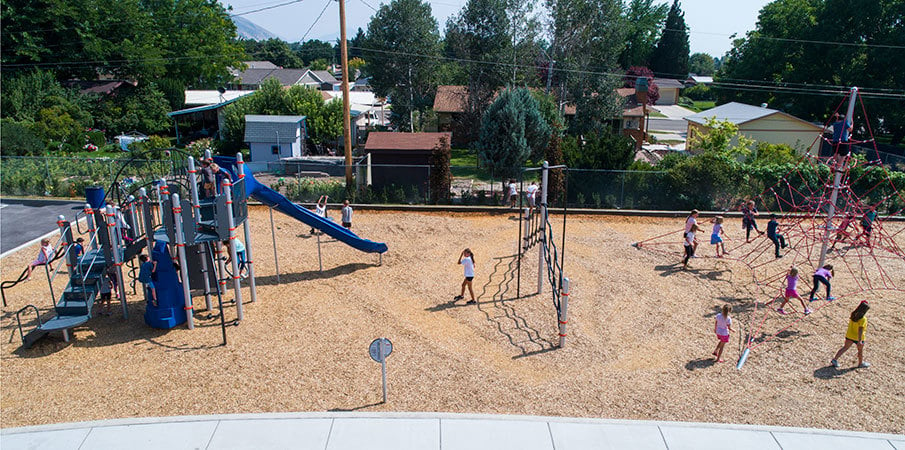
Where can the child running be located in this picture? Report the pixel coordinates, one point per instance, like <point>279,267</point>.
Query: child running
<point>466,259</point>
<point>716,236</point>
<point>722,327</point>
<point>792,292</point>
<point>772,232</point>
<point>45,256</point>
<point>749,213</point>
<point>823,275</point>
<point>857,326</point>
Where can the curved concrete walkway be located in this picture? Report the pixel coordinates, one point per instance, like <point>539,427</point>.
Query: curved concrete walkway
<point>424,431</point>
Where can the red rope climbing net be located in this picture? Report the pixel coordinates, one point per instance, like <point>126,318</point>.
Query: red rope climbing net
<point>861,249</point>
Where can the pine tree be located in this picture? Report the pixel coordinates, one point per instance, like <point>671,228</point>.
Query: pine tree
<point>670,58</point>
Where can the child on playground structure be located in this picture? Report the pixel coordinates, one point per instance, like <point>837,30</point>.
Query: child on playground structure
<point>690,245</point>
<point>867,224</point>
<point>716,236</point>
<point>466,259</point>
<point>240,256</point>
<point>857,326</point>
<point>722,327</point>
<point>146,274</point>
<point>320,208</point>
<point>78,249</point>
<point>842,231</point>
<point>45,256</point>
<point>749,222</point>
<point>108,281</point>
<point>823,275</point>
<point>792,292</point>
<point>346,215</point>
<point>778,239</point>
<point>530,194</point>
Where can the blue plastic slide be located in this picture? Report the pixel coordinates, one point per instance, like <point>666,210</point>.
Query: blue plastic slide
<point>170,309</point>
<point>282,204</point>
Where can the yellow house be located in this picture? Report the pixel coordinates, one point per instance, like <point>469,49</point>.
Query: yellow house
<point>759,123</point>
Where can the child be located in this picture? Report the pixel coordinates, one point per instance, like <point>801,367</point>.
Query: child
<point>716,238</point>
<point>347,215</point>
<point>842,232</point>
<point>146,273</point>
<point>531,192</point>
<point>689,245</point>
<point>108,284</point>
<point>78,249</point>
<point>867,224</point>
<point>749,212</point>
<point>513,193</point>
<point>320,208</point>
<point>45,256</point>
<point>792,292</point>
<point>823,275</point>
<point>857,326</point>
<point>466,259</point>
<point>722,327</point>
<point>240,256</point>
<point>778,239</point>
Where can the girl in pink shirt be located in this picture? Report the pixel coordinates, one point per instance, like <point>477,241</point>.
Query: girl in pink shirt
<point>722,327</point>
<point>792,291</point>
<point>822,276</point>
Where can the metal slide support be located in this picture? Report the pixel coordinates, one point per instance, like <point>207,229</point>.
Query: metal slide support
<point>114,238</point>
<point>92,228</point>
<point>196,213</point>
<point>543,227</point>
<point>133,218</point>
<point>237,280</point>
<point>320,262</point>
<point>252,285</point>
<point>183,264</point>
<point>837,180</point>
<point>525,239</point>
<point>147,219</point>
<point>158,188</point>
<point>563,312</point>
<point>273,235</point>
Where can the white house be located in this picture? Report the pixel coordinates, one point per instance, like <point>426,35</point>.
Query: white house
<point>669,90</point>
<point>271,138</point>
<point>759,123</point>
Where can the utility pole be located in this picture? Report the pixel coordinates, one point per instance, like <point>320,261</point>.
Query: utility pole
<point>347,122</point>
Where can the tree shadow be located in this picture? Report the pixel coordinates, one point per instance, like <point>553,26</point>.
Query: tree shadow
<point>830,372</point>
<point>345,269</point>
<point>740,305</point>
<point>700,363</point>
<point>667,270</point>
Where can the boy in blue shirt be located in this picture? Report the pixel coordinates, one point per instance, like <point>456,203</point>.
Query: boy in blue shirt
<point>146,274</point>
<point>773,234</point>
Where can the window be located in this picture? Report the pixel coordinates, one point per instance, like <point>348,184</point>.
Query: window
<point>275,149</point>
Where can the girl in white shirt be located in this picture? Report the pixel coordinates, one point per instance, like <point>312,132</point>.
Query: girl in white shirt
<point>466,259</point>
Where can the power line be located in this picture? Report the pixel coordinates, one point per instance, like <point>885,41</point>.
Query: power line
<point>804,41</point>
<point>315,21</point>
<point>369,5</point>
<point>267,8</point>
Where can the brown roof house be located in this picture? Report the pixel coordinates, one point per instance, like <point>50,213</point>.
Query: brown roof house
<point>402,159</point>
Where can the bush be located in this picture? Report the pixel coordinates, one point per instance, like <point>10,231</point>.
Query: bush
<point>699,92</point>
<point>18,140</point>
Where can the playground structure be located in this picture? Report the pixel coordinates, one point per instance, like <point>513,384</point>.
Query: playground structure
<point>814,218</point>
<point>184,238</point>
<point>535,230</point>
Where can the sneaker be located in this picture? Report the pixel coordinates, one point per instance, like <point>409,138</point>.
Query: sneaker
<point>779,256</point>
<point>807,311</point>
<point>470,302</point>
<point>834,363</point>
<point>829,299</point>
<point>864,365</point>
<point>781,311</point>
<point>812,299</point>
<point>458,297</point>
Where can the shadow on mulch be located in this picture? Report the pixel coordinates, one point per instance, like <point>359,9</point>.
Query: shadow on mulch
<point>700,363</point>
<point>830,372</point>
<point>707,274</point>
<point>357,408</point>
<point>345,269</point>
<point>740,305</point>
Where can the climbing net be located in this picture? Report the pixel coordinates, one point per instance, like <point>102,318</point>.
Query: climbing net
<point>856,229</point>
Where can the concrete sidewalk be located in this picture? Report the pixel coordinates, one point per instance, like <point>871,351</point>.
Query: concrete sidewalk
<point>419,431</point>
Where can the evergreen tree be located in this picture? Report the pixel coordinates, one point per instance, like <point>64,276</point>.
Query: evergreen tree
<point>513,128</point>
<point>643,20</point>
<point>670,58</point>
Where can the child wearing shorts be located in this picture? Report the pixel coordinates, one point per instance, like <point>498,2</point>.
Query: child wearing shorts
<point>466,259</point>
<point>146,274</point>
<point>716,236</point>
<point>722,327</point>
<point>792,292</point>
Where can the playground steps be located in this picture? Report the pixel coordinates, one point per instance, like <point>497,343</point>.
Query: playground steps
<point>76,301</point>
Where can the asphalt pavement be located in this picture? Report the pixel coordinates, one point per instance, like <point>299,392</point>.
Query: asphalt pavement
<point>24,220</point>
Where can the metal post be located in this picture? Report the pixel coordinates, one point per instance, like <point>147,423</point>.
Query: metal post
<point>147,218</point>
<point>837,179</point>
<point>159,188</point>
<point>196,213</point>
<point>237,284</point>
<point>320,262</point>
<point>66,234</point>
<point>183,264</point>
<point>564,312</point>
<point>543,227</point>
<point>92,229</point>
<point>383,366</point>
<point>252,285</point>
<point>113,233</point>
<point>273,235</point>
<point>133,218</point>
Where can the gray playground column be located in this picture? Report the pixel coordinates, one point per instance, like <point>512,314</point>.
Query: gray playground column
<point>252,285</point>
<point>196,213</point>
<point>66,234</point>
<point>112,233</point>
<point>523,246</point>
<point>146,219</point>
<point>159,189</point>
<point>563,312</point>
<point>183,264</point>
<point>92,228</point>
<point>542,209</point>
<point>237,285</point>
<point>831,209</point>
<point>133,218</point>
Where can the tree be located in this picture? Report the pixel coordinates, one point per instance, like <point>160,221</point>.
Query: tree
<point>631,78</point>
<point>143,109</point>
<point>701,64</point>
<point>512,130</point>
<point>401,48</point>
<point>276,51</point>
<point>721,138</point>
<point>588,37</point>
<point>670,58</point>
<point>605,150</point>
<point>312,50</point>
<point>643,21</point>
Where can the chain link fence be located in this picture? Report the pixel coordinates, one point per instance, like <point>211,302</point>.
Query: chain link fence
<point>68,177</point>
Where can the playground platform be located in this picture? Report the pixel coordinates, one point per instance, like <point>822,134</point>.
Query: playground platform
<point>422,431</point>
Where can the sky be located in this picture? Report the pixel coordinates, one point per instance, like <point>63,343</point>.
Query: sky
<point>711,22</point>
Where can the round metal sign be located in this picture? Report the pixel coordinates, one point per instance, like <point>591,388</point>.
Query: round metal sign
<point>380,349</point>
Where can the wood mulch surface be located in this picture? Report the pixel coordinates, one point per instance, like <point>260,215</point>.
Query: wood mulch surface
<point>639,344</point>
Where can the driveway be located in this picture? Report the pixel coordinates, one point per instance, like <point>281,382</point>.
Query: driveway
<point>22,220</point>
<point>674,111</point>
<point>674,126</point>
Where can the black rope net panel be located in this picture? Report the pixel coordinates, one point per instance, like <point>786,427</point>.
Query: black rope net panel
<point>553,263</point>
<point>865,254</point>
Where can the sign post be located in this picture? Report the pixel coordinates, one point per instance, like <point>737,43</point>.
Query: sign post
<point>379,349</point>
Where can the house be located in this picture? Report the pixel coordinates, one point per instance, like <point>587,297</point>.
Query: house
<point>260,65</point>
<point>669,90</point>
<point>402,159</point>
<point>204,116</point>
<point>759,123</point>
<point>252,78</point>
<point>100,87</point>
<point>271,138</point>
<point>367,111</point>
<point>695,80</point>
<point>209,97</point>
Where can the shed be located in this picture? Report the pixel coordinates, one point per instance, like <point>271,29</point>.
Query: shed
<point>669,90</point>
<point>271,138</point>
<point>759,123</point>
<point>403,159</point>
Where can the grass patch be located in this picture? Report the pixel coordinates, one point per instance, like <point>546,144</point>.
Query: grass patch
<point>655,113</point>
<point>702,105</point>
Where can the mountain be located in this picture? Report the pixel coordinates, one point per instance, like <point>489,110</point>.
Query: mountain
<point>247,29</point>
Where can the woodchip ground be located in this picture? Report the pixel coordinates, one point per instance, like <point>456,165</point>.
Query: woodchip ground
<point>640,337</point>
